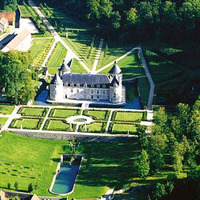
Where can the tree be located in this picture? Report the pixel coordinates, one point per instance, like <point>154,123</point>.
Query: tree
<point>156,151</point>
<point>141,165</point>
<point>30,187</point>
<point>142,138</point>
<point>16,185</point>
<point>15,77</point>
<point>159,191</point>
<point>131,17</point>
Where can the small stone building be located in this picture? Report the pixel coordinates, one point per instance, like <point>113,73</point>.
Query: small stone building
<point>3,24</point>
<point>89,87</point>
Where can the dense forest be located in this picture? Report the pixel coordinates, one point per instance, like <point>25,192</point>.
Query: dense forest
<point>174,21</point>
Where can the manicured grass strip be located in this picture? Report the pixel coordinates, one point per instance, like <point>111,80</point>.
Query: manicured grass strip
<point>130,65</point>
<point>128,116</point>
<point>56,59</point>
<point>97,114</point>
<point>3,120</point>
<point>76,67</point>
<point>96,127</point>
<point>122,128</point>
<point>64,113</point>
<point>33,111</point>
<point>6,110</point>
<point>39,50</point>
<point>26,123</point>
<point>58,125</point>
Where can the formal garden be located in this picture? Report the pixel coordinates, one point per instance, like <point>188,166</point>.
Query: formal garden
<point>102,120</point>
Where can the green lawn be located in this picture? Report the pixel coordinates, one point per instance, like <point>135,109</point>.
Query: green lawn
<point>6,110</point>
<point>64,113</point>
<point>56,58</point>
<point>105,165</point>
<point>127,116</point>
<point>115,50</point>
<point>76,67</point>
<point>130,66</point>
<point>97,114</point>
<point>144,89</point>
<point>3,120</point>
<point>58,125</point>
<point>31,111</point>
<point>26,123</point>
<point>40,49</point>
<point>123,128</point>
<point>96,127</point>
<point>25,13</point>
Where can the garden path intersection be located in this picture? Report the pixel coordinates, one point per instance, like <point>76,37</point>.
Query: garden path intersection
<point>105,117</point>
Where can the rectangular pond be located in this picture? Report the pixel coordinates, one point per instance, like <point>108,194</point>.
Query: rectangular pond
<point>66,174</point>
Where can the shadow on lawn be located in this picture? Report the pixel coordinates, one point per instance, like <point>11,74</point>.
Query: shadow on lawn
<point>107,164</point>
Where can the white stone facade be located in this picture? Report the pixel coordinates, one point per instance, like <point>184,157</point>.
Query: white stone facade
<point>90,87</point>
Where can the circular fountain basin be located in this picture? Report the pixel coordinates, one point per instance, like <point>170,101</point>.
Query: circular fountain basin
<point>79,120</point>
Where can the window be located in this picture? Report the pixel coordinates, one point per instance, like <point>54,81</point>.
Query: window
<point>92,97</point>
<point>97,96</point>
<point>77,90</point>
<point>104,92</point>
<point>71,90</point>
<point>98,86</point>
<point>92,91</point>
<point>97,91</point>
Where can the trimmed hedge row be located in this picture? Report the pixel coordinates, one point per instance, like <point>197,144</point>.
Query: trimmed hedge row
<point>110,129</point>
<point>144,116</point>
<point>12,125</point>
<point>103,128</point>
<point>46,126</point>
<point>78,112</point>
<point>107,114</point>
<point>21,111</point>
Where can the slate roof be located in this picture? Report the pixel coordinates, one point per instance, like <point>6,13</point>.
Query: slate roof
<point>65,67</point>
<point>56,80</point>
<point>115,69</point>
<point>115,81</point>
<point>18,39</point>
<point>85,78</point>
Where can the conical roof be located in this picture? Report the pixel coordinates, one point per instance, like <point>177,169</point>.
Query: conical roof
<point>115,82</point>
<point>115,69</point>
<point>56,80</point>
<point>69,63</point>
<point>64,67</point>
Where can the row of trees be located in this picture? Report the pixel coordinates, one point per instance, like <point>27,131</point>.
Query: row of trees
<point>129,19</point>
<point>15,76</point>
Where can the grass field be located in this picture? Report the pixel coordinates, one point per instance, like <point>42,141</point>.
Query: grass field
<point>96,127</point>
<point>123,128</point>
<point>3,120</point>
<point>127,116</point>
<point>98,114</point>
<point>6,110</point>
<point>76,67</point>
<point>105,165</point>
<point>26,123</point>
<point>58,125</point>
<point>130,66</point>
<point>64,113</point>
<point>39,50</point>
<point>56,58</point>
<point>28,111</point>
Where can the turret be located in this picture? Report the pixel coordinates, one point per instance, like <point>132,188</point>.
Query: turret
<point>56,88</point>
<point>65,68</point>
<point>116,72</point>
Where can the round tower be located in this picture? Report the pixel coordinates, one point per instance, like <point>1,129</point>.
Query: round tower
<point>56,88</point>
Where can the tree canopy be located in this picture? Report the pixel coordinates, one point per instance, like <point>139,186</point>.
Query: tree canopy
<point>15,76</point>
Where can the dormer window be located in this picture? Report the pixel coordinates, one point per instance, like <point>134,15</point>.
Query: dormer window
<point>85,84</point>
<point>92,85</point>
<point>98,86</point>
